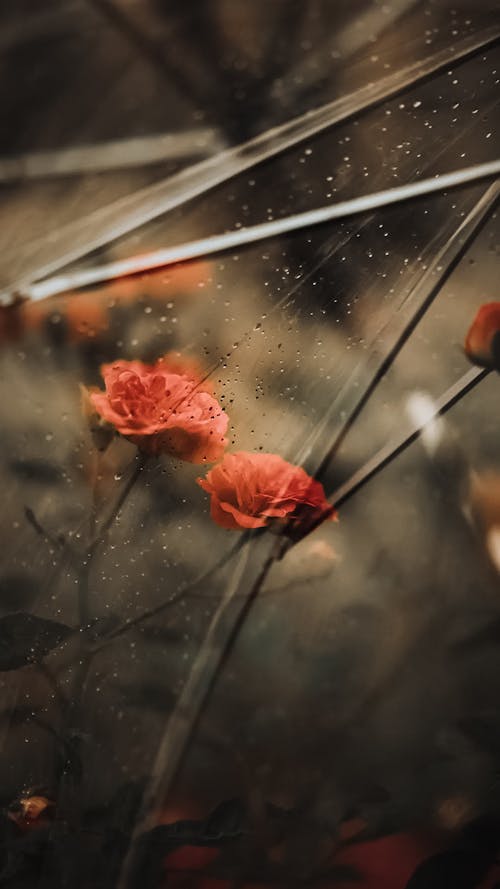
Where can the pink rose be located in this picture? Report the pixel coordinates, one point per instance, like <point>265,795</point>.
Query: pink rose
<point>162,410</point>
<point>254,490</point>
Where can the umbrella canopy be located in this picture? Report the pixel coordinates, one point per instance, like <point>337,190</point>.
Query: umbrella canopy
<point>249,596</point>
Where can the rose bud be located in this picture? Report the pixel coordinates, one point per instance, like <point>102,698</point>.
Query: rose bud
<point>482,344</point>
<point>31,811</point>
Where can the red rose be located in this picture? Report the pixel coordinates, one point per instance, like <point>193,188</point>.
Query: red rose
<point>254,490</point>
<point>162,411</point>
<point>482,344</point>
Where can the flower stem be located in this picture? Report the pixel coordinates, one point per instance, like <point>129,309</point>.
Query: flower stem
<point>57,542</point>
<point>69,792</point>
<point>140,462</point>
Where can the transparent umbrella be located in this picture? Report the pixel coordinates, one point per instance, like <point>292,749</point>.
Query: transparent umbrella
<point>243,245</point>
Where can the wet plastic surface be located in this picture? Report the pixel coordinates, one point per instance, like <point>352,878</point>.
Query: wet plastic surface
<point>303,711</point>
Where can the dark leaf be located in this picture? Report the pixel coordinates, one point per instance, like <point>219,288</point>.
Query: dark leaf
<point>227,821</point>
<point>224,823</point>
<point>222,828</point>
<point>27,639</point>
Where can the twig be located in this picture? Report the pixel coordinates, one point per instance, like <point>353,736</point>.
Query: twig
<point>58,542</point>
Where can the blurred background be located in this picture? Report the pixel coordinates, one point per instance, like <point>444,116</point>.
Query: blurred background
<point>364,686</point>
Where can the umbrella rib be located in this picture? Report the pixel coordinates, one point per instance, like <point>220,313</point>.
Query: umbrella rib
<point>394,448</point>
<point>253,234</point>
<point>46,255</point>
<point>118,154</point>
<point>423,293</point>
